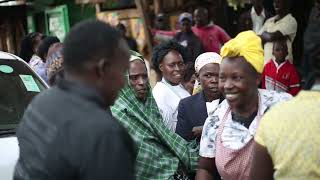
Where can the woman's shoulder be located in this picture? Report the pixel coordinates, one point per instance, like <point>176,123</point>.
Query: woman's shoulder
<point>159,88</point>
<point>269,97</point>
<point>219,112</point>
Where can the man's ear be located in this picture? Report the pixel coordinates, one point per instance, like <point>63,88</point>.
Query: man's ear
<point>197,77</point>
<point>101,68</point>
<point>161,67</point>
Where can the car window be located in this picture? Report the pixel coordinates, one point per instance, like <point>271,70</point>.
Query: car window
<point>18,85</point>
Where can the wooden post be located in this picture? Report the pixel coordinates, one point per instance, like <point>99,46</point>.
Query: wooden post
<point>98,8</point>
<point>157,6</point>
<point>146,25</point>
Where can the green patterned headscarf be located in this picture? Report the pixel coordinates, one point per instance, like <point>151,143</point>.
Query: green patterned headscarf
<point>160,151</point>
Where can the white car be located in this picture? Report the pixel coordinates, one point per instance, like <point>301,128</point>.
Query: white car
<point>18,85</point>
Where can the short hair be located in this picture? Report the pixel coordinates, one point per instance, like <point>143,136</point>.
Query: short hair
<point>26,46</point>
<point>202,8</point>
<point>160,51</point>
<point>88,41</point>
<point>45,45</point>
<point>281,42</point>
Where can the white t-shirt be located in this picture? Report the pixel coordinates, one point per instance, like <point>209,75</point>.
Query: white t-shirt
<point>257,21</point>
<point>167,98</point>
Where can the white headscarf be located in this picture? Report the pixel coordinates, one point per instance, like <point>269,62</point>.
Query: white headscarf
<point>202,60</point>
<point>206,58</point>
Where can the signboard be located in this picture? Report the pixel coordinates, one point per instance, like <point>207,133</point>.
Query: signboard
<point>130,18</point>
<point>57,21</point>
<point>30,24</point>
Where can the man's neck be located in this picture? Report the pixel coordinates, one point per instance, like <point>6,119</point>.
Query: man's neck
<point>210,97</point>
<point>80,79</point>
<point>282,15</point>
<point>280,62</point>
<point>258,9</point>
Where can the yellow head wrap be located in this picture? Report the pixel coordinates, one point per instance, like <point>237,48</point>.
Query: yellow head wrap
<point>248,45</point>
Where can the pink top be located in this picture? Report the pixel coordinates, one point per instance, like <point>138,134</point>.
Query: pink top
<point>233,164</point>
<point>212,37</point>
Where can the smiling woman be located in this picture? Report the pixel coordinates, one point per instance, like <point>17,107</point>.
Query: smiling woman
<point>227,135</point>
<point>168,59</point>
<point>136,109</point>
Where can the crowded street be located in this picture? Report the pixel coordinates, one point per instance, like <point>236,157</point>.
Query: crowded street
<point>159,90</point>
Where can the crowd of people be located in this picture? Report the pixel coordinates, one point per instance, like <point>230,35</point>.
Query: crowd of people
<point>223,108</point>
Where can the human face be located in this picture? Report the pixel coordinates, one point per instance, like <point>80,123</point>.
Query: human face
<point>161,22</point>
<point>36,42</point>
<point>186,25</point>
<point>138,79</point>
<point>257,3</point>
<point>172,67</point>
<point>190,84</point>
<point>112,75</point>
<point>238,82</point>
<point>280,51</point>
<point>279,6</point>
<point>200,17</point>
<point>209,79</point>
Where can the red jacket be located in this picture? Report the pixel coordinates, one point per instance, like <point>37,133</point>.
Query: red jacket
<point>281,78</point>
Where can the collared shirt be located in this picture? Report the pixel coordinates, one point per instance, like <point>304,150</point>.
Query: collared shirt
<point>66,133</point>
<point>287,26</point>
<point>281,78</point>
<point>234,134</point>
<point>161,152</point>
<point>290,133</point>
<point>257,20</point>
<point>168,97</point>
<point>212,106</point>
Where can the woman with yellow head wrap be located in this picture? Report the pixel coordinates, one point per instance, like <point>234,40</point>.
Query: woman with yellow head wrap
<point>227,136</point>
<point>248,45</point>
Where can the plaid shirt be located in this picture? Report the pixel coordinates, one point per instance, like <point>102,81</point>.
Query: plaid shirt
<point>160,151</point>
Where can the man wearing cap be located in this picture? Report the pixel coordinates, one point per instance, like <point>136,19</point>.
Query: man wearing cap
<point>193,110</point>
<point>187,38</point>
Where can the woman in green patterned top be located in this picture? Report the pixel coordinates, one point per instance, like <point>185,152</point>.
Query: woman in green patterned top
<point>162,154</point>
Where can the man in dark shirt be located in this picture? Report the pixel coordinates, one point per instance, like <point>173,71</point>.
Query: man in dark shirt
<point>187,38</point>
<point>68,132</point>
